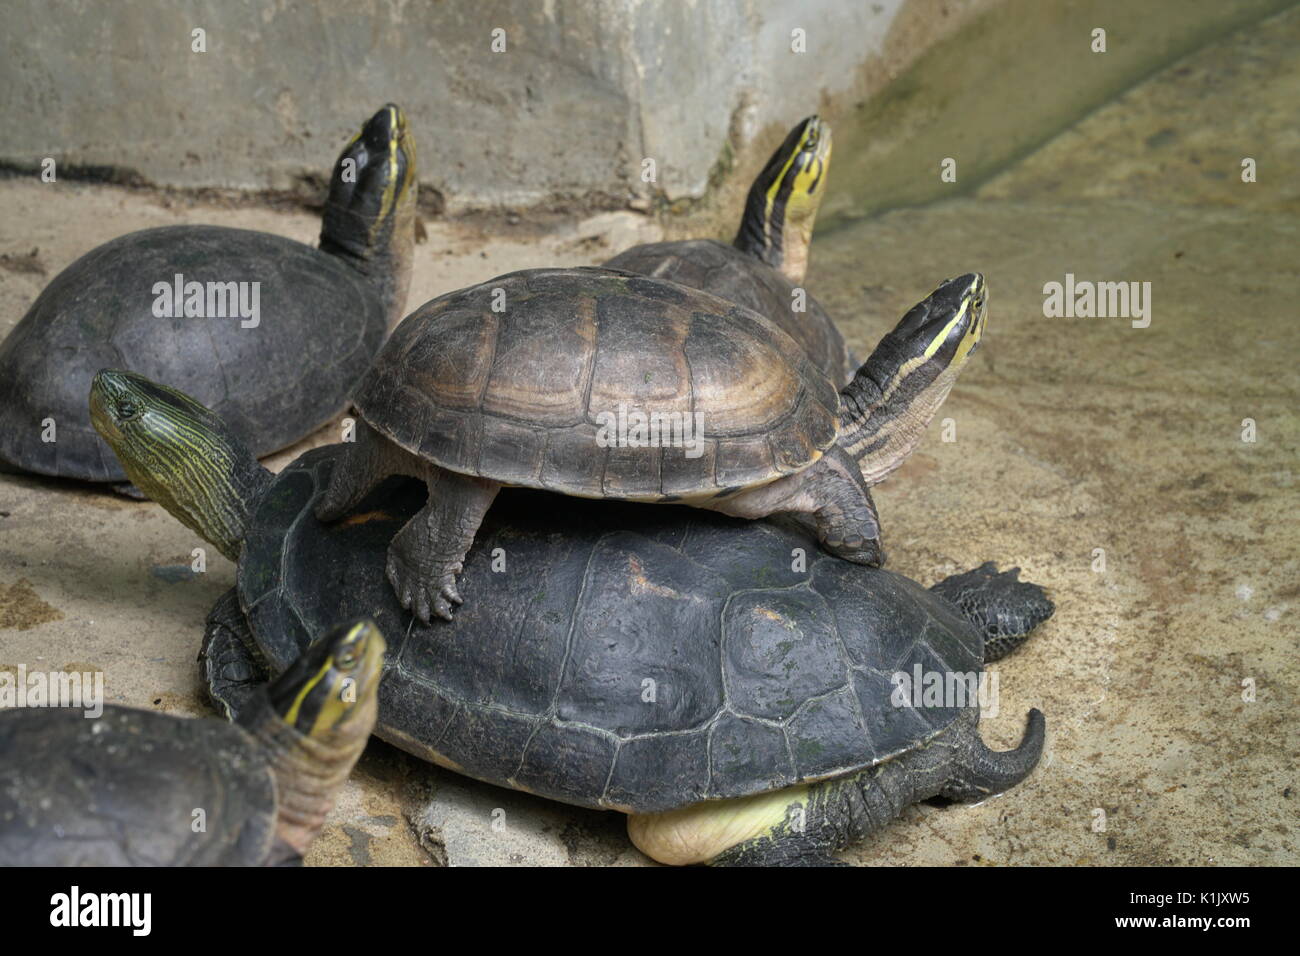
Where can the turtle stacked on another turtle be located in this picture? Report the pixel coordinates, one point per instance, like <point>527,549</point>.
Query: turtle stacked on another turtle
<point>683,667</point>
<point>604,384</point>
<point>272,333</point>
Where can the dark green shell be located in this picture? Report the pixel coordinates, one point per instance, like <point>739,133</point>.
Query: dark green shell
<point>121,790</point>
<point>509,379</point>
<point>739,277</point>
<point>624,656</point>
<point>321,323</point>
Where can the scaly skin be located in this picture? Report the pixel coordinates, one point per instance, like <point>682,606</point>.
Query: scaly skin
<point>1001,606</point>
<point>230,662</point>
<point>427,554</point>
<point>181,454</point>
<point>369,220</point>
<point>831,496</point>
<point>313,722</point>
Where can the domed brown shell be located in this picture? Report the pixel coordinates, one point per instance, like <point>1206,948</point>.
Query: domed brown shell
<point>521,395</point>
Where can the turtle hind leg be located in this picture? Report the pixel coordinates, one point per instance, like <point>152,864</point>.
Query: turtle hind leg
<point>956,765</point>
<point>1001,606</point>
<point>790,851</point>
<point>805,825</point>
<point>840,812</point>
<point>367,461</point>
<point>233,668</point>
<point>830,498</point>
<point>429,552</point>
<point>845,521</point>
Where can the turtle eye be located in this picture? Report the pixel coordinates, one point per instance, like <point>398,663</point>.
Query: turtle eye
<point>347,660</point>
<point>127,411</point>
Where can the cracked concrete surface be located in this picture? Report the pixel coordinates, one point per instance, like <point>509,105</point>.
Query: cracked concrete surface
<point>1072,435</point>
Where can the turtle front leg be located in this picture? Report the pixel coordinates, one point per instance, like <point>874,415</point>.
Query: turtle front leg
<point>831,496</point>
<point>427,554</point>
<point>365,462</point>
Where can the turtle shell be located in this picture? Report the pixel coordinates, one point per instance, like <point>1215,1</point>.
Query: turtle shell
<point>124,789</point>
<point>612,655</point>
<point>320,323</point>
<point>522,394</point>
<point>749,281</point>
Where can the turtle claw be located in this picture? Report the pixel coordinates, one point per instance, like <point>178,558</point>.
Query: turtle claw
<point>424,595</point>
<point>428,554</point>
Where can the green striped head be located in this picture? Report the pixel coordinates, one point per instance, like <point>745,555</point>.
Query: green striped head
<point>330,693</point>
<point>180,454</point>
<point>784,199</point>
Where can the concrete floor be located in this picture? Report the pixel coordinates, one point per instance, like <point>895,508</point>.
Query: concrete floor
<point>1071,435</point>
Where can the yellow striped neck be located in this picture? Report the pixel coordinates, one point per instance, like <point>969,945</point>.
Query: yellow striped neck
<point>181,455</point>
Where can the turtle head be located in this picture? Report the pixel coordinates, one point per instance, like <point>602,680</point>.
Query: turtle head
<point>180,454</point>
<point>370,214</point>
<point>318,716</point>
<point>941,332</point>
<point>885,409</point>
<point>784,200</point>
<point>330,693</point>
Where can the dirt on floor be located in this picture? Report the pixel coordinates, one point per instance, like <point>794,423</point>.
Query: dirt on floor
<point>1147,476</point>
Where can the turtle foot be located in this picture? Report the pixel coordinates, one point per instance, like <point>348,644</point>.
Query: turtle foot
<point>845,518</point>
<point>1004,608</point>
<point>857,549</point>
<point>424,591</point>
<point>427,554</point>
<point>365,462</point>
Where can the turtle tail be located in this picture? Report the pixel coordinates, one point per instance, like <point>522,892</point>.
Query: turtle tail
<point>983,772</point>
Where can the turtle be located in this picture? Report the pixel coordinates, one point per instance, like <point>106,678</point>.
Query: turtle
<point>732,688</point>
<point>763,267</point>
<point>130,787</point>
<point>271,332</point>
<point>603,384</point>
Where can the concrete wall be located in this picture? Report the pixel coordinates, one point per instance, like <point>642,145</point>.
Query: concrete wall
<point>583,93</point>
